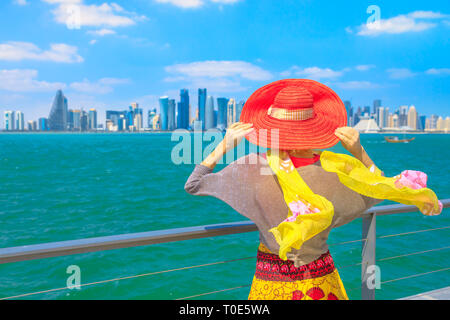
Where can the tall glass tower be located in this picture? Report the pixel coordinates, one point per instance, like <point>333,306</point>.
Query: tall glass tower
<point>201,106</point>
<point>349,109</point>
<point>239,108</point>
<point>42,124</point>
<point>209,113</point>
<point>92,119</point>
<point>9,120</point>
<point>57,120</point>
<point>376,105</point>
<point>171,115</point>
<point>150,117</point>
<point>222,113</point>
<point>164,111</point>
<point>183,110</point>
<point>231,112</point>
<point>20,121</point>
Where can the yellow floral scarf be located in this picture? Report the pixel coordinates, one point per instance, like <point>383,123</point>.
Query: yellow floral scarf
<point>310,213</point>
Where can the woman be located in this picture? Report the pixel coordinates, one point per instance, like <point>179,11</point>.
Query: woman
<point>287,192</point>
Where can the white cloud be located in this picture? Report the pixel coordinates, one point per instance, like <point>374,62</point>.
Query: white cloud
<point>364,67</point>
<point>101,32</point>
<point>315,73</point>
<point>427,15</point>
<point>60,52</point>
<point>76,14</point>
<point>225,1</point>
<point>218,69</point>
<point>400,24</point>
<point>357,85</point>
<point>183,3</point>
<point>24,80</point>
<point>400,73</point>
<point>441,71</point>
<point>102,86</point>
<point>219,85</point>
<point>217,76</point>
<point>20,2</point>
<point>416,21</point>
<point>186,4</point>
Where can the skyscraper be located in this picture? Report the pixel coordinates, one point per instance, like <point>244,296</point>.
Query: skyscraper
<point>135,117</point>
<point>57,120</point>
<point>122,122</point>
<point>164,110</point>
<point>76,120</point>
<point>84,121</point>
<point>92,123</point>
<point>379,117</point>
<point>348,108</point>
<point>9,120</point>
<point>422,120</point>
<point>171,115</point>
<point>395,121</point>
<point>69,120</point>
<point>433,121</point>
<point>183,110</point>
<point>151,115</point>
<point>20,121</point>
<point>382,117</point>
<point>116,119</point>
<point>201,106</point>
<point>209,113</point>
<point>42,124</point>
<point>231,112</point>
<point>412,118</point>
<point>440,124</point>
<point>376,105</point>
<point>222,113</point>
<point>239,108</point>
<point>215,119</point>
<point>403,116</point>
<point>156,122</point>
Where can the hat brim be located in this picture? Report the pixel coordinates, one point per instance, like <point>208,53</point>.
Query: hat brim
<point>314,133</point>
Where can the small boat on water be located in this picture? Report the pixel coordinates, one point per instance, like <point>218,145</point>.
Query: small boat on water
<point>397,140</point>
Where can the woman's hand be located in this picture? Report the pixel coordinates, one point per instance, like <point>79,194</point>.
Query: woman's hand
<point>350,140</point>
<point>235,133</point>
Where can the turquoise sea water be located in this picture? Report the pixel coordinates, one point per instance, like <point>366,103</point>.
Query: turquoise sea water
<point>56,187</point>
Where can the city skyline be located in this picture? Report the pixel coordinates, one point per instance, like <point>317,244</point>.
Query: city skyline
<point>181,115</point>
<point>134,50</point>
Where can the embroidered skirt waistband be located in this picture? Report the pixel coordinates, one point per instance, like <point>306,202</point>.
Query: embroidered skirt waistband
<point>271,267</point>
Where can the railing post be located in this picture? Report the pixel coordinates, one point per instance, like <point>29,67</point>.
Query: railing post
<point>368,255</point>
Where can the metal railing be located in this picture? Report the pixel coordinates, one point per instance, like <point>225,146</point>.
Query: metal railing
<point>63,248</point>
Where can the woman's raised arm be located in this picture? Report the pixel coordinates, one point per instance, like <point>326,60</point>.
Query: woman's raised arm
<point>235,133</point>
<point>350,141</point>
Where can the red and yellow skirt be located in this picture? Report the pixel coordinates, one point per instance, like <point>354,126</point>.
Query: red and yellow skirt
<point>276,279</point>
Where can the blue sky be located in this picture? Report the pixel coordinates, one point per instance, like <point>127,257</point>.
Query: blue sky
<point>107,54</point>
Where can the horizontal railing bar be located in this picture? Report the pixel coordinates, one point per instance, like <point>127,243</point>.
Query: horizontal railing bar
<point>63,248</point>
<point>397,208</point>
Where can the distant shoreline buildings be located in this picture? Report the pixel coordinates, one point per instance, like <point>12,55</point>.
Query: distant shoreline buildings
<point>404,119</point>
<point>211,113</point>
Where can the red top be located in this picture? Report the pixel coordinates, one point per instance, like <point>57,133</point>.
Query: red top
<point>301,162</point>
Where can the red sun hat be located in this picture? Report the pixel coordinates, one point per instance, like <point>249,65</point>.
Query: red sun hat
<point>305,113</point>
